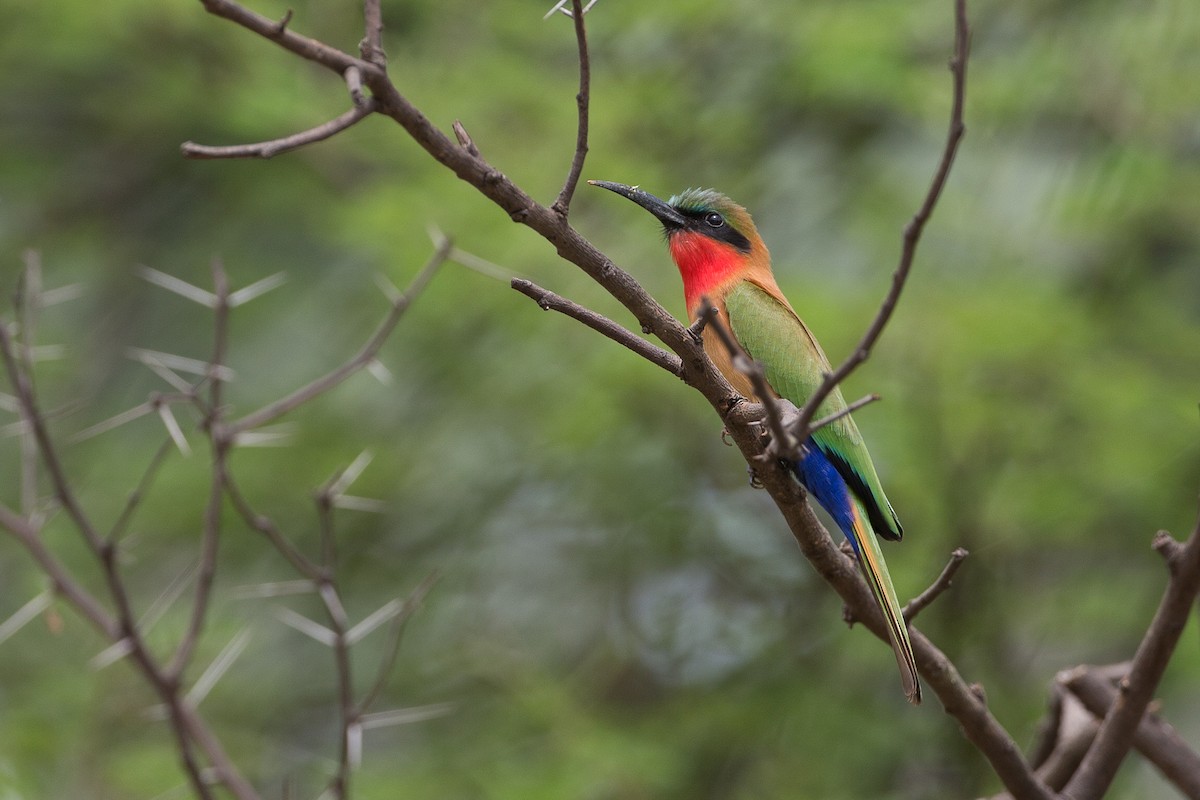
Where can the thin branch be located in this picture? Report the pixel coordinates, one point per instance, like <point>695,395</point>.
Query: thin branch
<point>65,585</point>
<point>411,604</point>
<point>371,47</point>
<point>922,601</point>
<point>361,359</point>
<point>845,412</point>
<point>212,511</point>
<point>135,497</point>
<point>354,86</point>
<point>267,528</point>
<point>912,231</point>
<point>1120,725</point>
<point>562,205</point>
<point>274,147</point>
<point>277,31</point>
<point>781,438</point>
<point>549,301</point>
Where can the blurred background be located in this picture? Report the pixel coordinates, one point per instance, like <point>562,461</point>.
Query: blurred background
<point>619,614</point>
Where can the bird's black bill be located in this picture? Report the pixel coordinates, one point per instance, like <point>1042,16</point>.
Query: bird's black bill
<point>668,216</point>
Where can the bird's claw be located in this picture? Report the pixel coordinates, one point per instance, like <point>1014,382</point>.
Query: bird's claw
<point>755,481</point>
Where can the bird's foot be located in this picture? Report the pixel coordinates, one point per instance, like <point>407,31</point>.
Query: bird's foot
<point>755,481</point>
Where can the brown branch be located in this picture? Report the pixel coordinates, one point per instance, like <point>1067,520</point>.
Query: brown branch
<point>354,86</point>
<point>278,32</point>
<point>829,419</point>
<point>782,443</point>
<point>1120,725</point>
<point>1154,738</point>
<point>371,47</point>
<point>266,526</point>
<point>562,205</point>
<point>64,584</point>
<point>941,584</point>
<point>549,301</point>
<point>958,698</point>
<point>912,231</point>
<point>274,147</point>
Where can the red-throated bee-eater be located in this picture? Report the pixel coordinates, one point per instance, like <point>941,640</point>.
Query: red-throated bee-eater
<point>721,256</point>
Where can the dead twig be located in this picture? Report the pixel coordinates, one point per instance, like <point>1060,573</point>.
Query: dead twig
<point>363,107</point>
<point>941,584</point>
<point>562,205</point>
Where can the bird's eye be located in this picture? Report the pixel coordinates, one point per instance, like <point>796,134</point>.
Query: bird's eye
<point>714,220</point>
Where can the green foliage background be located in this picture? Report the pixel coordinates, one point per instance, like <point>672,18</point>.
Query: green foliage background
<point>619,615</point>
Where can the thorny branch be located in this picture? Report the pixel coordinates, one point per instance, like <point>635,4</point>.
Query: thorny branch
<point>203,758</point>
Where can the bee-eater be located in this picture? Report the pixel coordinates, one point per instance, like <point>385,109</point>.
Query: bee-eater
<point>721,256</point>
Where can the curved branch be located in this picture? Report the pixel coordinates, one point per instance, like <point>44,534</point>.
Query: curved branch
<point>549,301</point>
<point>912,231</point>
<point>562,205</point>
<point>274,147</point>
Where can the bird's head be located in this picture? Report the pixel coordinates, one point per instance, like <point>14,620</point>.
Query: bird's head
<point>712,239</point>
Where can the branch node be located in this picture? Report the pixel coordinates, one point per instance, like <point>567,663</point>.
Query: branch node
<point>1169,548</point>
<point>281,26</point>
<point>464,139</point>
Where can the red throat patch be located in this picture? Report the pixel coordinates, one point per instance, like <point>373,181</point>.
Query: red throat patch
<point>705,264</point>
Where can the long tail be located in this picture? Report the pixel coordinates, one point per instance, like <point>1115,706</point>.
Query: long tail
<point>870,562</point>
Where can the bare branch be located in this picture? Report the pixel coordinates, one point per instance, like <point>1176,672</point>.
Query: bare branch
<point>371,47</point>
<point>912,231</point>
<point>549,301</point>
<point>782,443</point>
<point>278,32</point>
<point>361,359</point>
<point>282,145</point>
<point>845,412</point>
<point>1120,726</point>
<point>941,584</point>
<point>1154,738</point>
<point>212,511</point>
<point>411,604</point>
<point>562,205</point>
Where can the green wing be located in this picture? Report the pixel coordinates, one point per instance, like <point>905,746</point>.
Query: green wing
<point>795,365</point>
